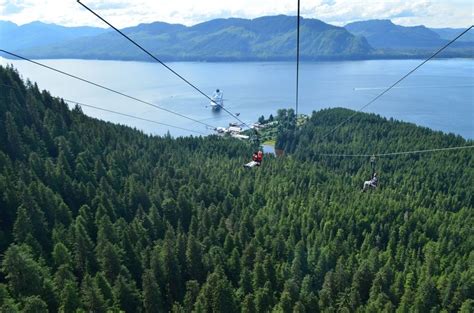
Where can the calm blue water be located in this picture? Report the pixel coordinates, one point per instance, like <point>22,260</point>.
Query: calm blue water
<point>440,95</point>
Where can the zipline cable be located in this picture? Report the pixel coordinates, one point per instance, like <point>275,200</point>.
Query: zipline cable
<point>318,154</point>
<point>297,60</point>
<point>131,116</point>
<point>393,153</point>
<point>159,61</point>
<point>107,88</point>
<point>118,113</point>
<point>398,81</point>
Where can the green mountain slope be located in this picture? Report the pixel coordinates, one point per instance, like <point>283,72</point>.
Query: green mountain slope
<point>100,217</point>
<point>31,35</point>
<point>450,33</point>
<point>391,39</point>
<point>265,38</point>
<point>385,34</point>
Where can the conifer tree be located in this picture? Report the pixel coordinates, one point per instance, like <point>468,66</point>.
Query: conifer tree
<point>152,298</point>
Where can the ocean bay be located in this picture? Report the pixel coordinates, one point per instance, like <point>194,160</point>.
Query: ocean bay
<point>440,95</point>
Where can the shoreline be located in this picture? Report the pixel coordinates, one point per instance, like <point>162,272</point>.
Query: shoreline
<point>249,60</point>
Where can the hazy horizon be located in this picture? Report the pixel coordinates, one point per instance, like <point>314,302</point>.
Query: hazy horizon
<point>127,13</point>
<point>157,21</point>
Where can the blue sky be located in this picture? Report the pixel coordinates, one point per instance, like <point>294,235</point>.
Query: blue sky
<point>432,13</point>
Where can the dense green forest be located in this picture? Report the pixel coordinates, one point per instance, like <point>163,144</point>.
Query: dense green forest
<point>97,217</point>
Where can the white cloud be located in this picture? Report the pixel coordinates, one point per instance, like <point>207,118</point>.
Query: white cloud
<point>434,13</point>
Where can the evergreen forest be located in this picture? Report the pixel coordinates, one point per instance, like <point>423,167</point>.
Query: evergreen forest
<point>99,217</point>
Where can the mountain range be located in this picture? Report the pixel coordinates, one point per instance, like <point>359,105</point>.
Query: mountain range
<point>28,36</point>
<point>234,39</point>
<point>384,34</point>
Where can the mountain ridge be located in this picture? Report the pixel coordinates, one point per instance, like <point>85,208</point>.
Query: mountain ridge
<point>267,38</point>
<point>264,38</point>
<point>450,33</point>
<point>384,34</point>
<point>30,35</point>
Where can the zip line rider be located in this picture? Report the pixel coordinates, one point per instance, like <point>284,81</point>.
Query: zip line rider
<point>371,183</point>
<point>257,158</point>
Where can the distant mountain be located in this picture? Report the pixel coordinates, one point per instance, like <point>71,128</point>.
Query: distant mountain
<point>383,34</point>
<point>269,38</point>
<point>395,41</point>
<point>14,37</point>
<point>265,38</point>
<point>450,33</point>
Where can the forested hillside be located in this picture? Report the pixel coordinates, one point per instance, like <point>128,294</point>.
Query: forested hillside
<point>384,34</point>
<point>397,41</point>
<point>28,36</point>
<point>97,217</point>
<point>267,38</point>
<point>233,39</point>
